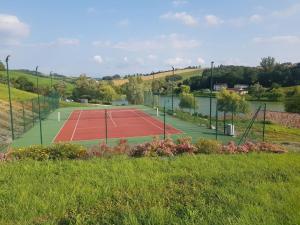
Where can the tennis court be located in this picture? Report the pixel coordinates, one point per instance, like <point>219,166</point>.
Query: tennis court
<point>112,123</point>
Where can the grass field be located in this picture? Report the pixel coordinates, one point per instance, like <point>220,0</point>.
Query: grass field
<point>203,189</point>
<point>16,94</point>
<point>43,81</point>
<point>185,73</point>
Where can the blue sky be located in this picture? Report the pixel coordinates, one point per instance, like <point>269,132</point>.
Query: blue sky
<point>120,37</point>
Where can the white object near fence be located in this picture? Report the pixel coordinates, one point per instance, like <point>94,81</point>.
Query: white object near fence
<point>157,112</point>
<point>230,130</point>
<point>58,116</point>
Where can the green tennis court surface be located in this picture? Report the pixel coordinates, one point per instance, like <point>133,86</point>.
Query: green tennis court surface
<point>56,120</point>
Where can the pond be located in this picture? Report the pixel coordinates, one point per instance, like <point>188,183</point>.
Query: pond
<point>203,104</point>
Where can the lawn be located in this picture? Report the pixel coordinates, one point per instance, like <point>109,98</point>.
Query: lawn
<point>16,94</point>
<point>202,189</point>
<point>43,81</point>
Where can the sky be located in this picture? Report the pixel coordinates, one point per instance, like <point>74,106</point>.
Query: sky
<point>110,37</point>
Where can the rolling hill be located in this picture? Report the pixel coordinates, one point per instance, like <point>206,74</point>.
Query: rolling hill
<point>185,73</point>
<point>43,80</point>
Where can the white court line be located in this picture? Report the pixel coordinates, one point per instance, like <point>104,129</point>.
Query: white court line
<point>62,127</point>
<point>147,120</point>
<point>110,116</point>
<point>76,126</point>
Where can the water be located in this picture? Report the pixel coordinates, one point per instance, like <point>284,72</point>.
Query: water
<point>203,104</point>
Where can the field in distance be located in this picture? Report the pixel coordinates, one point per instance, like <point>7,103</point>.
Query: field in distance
<point>185,73</point>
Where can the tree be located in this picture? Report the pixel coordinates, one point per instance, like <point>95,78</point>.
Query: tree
<point>2,67</point>
<point>231,102</point>
<point>157,86</point>
<point>292,103</point>
<point>24,84</point>
<point>187,101</point>
<point>107,93</point>
<point>60,87</point>
<point>257,91</point>
<point>134,90</point>
<point>185,89</point>
<point>275,94</point>
<point>268,63</point>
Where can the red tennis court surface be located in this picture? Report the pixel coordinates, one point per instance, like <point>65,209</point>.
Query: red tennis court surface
<point>121,123</point>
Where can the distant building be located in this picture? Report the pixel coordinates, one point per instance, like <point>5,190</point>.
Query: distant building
<point>241,86</point>
<point>218,87</point>
<point>240,91</point>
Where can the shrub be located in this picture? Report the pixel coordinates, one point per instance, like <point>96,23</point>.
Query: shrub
<point>3,157</point>
<point>52,152</point>
<point>207,146</point>
<point>154,148</point>
<point>103,149</point>
<point>232,148</point>
<point>184,145</point>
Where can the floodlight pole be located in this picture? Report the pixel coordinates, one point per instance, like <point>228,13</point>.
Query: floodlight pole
<point>38,93</point>
<point>51,79</point>
<point>210,95</point>
<point>9,96</point>
<point>172,90</point>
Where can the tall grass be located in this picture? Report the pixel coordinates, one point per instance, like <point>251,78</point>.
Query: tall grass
<point>214,189</point>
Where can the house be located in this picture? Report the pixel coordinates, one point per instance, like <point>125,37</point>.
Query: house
<point>241,86</point>
<point>218,87</point>
<point>240,91</point>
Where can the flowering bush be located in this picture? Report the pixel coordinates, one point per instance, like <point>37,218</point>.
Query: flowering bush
<point>207,146</point>
<point>3,157</point>
<point>103,149</point>
<point>184,145</point>
<point>232,148</point>
<point>154,148</point>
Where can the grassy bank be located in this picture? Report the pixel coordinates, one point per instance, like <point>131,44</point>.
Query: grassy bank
<point>16,94</point>
<point>204,189</point>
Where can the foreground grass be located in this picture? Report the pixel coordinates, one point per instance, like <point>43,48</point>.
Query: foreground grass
<point>204,189</point>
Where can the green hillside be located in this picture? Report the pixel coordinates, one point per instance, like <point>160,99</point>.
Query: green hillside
<point>17,95</point>
<point>43,81</point>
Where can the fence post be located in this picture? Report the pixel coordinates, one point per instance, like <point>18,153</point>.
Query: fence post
<point>224,122</point>
<point>40,119</point>
<point>24,122</point>
<point>217,120</point>
<point>105,125</point>
<point>164,122</point>
<point>194,106</point>
<point>32,109</point>
<point>264,124</point>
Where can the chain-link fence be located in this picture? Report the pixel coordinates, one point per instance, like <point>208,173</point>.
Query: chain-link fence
<point>25,114</point>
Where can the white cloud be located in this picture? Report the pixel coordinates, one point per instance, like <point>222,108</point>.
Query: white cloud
<point>287,12</point>
<point>98,59</point>
<point>125,59</point>
<point>102,44</point>
<point>179,2</point>
<point>12,30</point>
<point>67,41</point>
<point>182,17</point>
<point>213,20</point>
<point>178,61</point>
<point>152,57</point>
<point>288,39</point>
<point>161,42</point>
<point>255,18</point>
<point>123,23</point>
<point>200,61</point>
